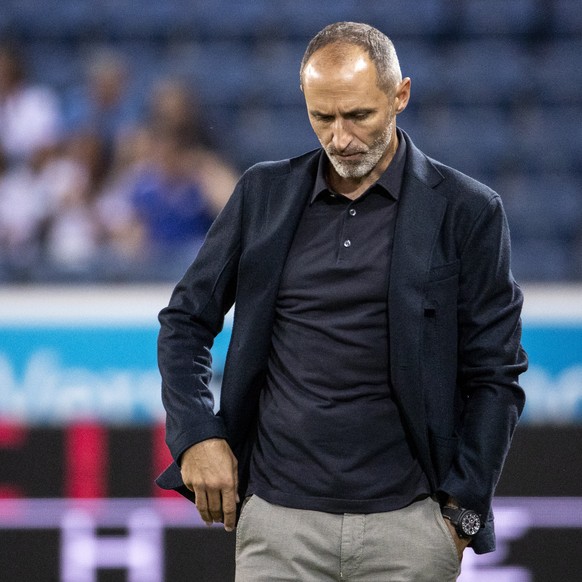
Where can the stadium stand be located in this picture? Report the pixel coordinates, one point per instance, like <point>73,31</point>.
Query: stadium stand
<point>496,86</point>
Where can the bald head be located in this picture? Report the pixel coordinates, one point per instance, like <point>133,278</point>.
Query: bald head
<point>342,37</point>
<point>340,59</point>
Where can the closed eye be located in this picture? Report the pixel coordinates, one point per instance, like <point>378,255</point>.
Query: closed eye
<point>359,115</point>
<point>322,118</point>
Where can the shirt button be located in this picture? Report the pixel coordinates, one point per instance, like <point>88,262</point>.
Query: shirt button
<point>347,243</point>
<point>353,212</point>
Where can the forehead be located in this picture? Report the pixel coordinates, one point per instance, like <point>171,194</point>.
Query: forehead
<point>341,74</point>
<point>339,63</point>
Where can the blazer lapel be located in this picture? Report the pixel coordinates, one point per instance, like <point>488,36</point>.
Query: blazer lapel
<point>420,214</point>
<point>286,202</point>
<point>266,250</point>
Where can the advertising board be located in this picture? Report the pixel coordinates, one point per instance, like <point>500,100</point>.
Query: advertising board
<point>81,441</point>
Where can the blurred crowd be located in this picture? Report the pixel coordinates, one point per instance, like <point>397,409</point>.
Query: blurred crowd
<point>103,184</point>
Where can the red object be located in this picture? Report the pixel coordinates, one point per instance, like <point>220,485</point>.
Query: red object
<point>12,435</point>
<point>86,461</point>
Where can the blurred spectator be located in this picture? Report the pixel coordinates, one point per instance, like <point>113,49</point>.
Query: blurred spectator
<point>73,232</point>
<point>105,106</point>
<point>173,108</point>
<point>48,224</point>
<point>161,201</point>
<point>114,200</point>
<point>123,233</point>
<point>26,195</point>
<point>173,113</point>
<point>29,115</point>
<point>170,205</point>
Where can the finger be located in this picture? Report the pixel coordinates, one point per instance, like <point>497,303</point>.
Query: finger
<point>229,501</point>
<point>202,506</point>
<point>215,506</point>
<point>237,498</point>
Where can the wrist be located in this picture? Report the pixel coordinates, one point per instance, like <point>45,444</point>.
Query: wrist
<point>466,522</point>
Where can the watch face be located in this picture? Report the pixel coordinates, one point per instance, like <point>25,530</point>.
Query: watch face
<point>470,523</point>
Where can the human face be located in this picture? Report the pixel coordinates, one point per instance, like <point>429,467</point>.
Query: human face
<point>354,120</point>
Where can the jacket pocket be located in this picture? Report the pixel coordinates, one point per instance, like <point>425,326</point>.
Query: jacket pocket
<point>444,271</point>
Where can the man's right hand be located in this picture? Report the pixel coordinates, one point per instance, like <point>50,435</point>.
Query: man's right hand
<point>209,469</point>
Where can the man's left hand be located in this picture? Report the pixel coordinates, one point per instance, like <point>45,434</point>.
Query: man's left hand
<point>460,543</point>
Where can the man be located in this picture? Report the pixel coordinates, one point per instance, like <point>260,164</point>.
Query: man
<point>370,390</point>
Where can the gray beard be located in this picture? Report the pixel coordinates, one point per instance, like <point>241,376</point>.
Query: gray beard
<point>369,161</point>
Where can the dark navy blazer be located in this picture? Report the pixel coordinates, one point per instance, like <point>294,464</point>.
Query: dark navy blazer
<point>454,324</point>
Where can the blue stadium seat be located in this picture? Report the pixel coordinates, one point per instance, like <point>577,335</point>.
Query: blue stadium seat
<point>487,71</point>
<point>548,137</point>
<point>500,16</point>
<point>557,71</point>
<point>545,206</point>
<point>402,17</point>
<point>220,70</point>
<point>542,260</point>
<point>275,73</point>
<point>62,20</point>
<point>271,134</point>
<point>229,19</point>
<point>567,16</point>
<point>53,64</point>
<point>472,139</point>
<point>420,60</point>
<point>303,18</point>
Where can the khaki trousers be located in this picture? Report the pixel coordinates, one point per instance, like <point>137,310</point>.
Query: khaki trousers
<point>412,544</point>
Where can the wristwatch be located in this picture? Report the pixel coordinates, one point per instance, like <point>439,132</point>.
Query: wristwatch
<point>466,521</point>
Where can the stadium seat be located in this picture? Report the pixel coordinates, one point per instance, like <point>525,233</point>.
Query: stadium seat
<point>557,71</point>
<point>540,260</point>
<point>271,134</point>
<point>567,16</point>
<point>487,70</point>
<point>547,206</point>
<point>500,16</point>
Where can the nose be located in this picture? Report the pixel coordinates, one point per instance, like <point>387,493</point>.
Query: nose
<point>341,136</point>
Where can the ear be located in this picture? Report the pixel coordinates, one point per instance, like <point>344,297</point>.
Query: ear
<point>402,95</point>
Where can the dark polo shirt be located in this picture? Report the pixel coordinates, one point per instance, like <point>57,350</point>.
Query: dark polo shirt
<point>330,437</point>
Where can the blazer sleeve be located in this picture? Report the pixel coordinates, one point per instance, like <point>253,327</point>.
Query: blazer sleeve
<point>490,360</point>
<point>189,324</point>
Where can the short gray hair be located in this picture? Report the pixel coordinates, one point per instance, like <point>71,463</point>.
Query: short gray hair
<point>378,46</point>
